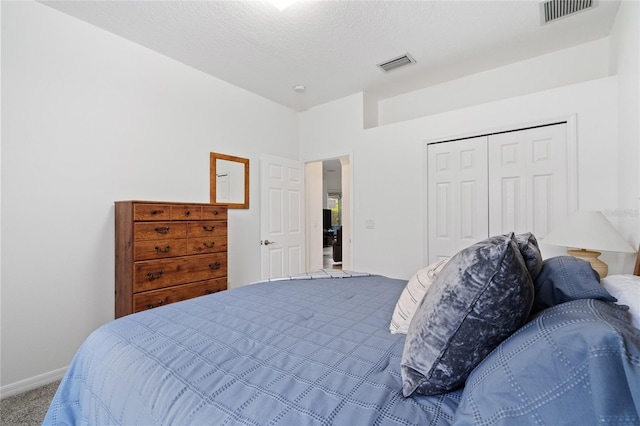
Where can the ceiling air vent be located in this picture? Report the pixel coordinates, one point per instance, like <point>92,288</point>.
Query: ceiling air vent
<point>556,9</point>
<point>396,63</point>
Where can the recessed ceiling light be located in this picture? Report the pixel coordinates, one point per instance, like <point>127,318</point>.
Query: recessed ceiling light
<point>281,4</point>
<point>299,88</point>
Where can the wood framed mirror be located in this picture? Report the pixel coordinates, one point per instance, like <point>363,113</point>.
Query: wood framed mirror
<point>229,180</point>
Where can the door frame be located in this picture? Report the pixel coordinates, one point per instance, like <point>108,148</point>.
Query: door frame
<point>313,217</point>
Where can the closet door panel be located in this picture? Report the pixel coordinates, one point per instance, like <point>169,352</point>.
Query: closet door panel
<point>528,180</point>
<point>457,200</point>
<point>549,178</point>
<point>507,154</point>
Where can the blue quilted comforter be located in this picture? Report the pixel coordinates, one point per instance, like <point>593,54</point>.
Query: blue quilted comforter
<point>319,351</point>
<point>287,352</point>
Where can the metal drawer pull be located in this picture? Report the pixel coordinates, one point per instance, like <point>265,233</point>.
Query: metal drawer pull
<point>161,230</point>
<point>157,211</point>
<point>152,277</point>
<point>163,250</point>
<point>208,228</point>
<point>208,291</point>
<point>187,213</point>
<point>209,246</point>
<point>214,265</point>
<point>150,305</point>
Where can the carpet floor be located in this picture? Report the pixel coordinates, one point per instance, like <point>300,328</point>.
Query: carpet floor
<point>28,408</point>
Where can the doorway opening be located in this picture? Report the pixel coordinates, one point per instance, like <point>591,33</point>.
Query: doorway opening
<point>328,214</point>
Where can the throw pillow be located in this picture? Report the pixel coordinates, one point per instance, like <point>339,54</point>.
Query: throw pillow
<point>482,295</point>
<point>625,288</point>
<point>566,278</point>
<point>412,295</point>
<point>575,364</point>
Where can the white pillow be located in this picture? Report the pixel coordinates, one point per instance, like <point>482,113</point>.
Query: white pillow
<point>625,288</point>
<point>412,295</point>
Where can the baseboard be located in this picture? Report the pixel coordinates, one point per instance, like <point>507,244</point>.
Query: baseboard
<point>31,383</point>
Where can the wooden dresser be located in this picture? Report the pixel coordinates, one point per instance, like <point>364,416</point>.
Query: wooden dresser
<point>167,252</point>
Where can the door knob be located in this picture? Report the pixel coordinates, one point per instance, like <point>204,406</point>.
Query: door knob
<point>267,242</point>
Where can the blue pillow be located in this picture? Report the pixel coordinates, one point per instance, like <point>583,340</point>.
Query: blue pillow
<point>482,295</point>
<point>566,278</point>
<point>577,363</point>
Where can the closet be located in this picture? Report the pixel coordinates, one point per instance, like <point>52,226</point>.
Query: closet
<point>493,184</point>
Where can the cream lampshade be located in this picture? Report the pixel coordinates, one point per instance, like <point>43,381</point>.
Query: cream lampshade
<point>587,231</point>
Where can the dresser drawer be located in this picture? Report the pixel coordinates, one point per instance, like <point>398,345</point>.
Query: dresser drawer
<point>203,245</point>
<point>155,298</point>
<point>186,212</point>
<point>159,249</point>
<point>214,213</point>
<point>151,212</point>
<point>159,230</point>
<point>155,274</point>
<point>207,229</point>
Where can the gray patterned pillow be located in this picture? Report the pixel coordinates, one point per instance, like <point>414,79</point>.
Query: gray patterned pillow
<point>481,296</point>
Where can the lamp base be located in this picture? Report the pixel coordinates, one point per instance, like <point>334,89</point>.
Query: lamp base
<point>592,257</point>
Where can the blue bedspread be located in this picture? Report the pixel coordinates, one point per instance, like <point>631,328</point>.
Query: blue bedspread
<point>319,351</point>
<point>287,352</point>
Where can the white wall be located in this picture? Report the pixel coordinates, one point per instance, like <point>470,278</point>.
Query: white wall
<point>89,118</point>
<point>584,62</point>
<point>331,182</point>
<point>388,173</point>
<point>625,62</point>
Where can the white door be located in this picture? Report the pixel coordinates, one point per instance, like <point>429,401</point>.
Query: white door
<point>282,214</point>
<point>457,195</point>
<point>528,180</point>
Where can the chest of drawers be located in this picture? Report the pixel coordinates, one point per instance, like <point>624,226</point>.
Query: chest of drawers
<point>166,252</point>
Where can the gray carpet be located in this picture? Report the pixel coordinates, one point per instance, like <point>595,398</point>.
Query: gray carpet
<point>27,408</point>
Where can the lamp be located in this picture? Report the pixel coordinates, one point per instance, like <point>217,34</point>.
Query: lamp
<point>586,231</point>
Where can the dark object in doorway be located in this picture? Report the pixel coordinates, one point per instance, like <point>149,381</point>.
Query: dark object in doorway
<point>337,246</point>
<point>326,219</point>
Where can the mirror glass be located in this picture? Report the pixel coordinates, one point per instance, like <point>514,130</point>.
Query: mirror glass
<point>229,181</point>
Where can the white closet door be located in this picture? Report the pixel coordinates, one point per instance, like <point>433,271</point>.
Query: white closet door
<point>457,195</point>
<point>528,180</point>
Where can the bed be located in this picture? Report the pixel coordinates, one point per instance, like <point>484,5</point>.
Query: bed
<point>317,349</point>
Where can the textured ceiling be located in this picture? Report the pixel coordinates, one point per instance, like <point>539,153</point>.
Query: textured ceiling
<point>332,47</point>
